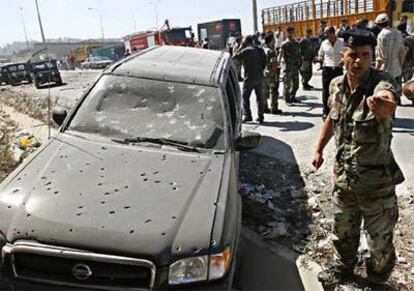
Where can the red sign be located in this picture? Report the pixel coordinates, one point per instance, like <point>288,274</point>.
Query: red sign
<point>218,27</point>
<point>139,43</point>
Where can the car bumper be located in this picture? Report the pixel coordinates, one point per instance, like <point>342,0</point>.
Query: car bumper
<point>10,284</point>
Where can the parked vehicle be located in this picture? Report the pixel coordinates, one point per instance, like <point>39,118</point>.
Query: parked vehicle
<point>179,36</point>
<point>44,72</point>
<point>96,63</point>
<point>113,52</point>
<point>15,73</point>
<point>3,75</point>
<point>126,207</point>
<point>80,54</point>
<point>217,32</point>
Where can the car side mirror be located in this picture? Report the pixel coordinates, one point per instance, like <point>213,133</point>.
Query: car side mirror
<point>247,141</point>
<point>59,114</point>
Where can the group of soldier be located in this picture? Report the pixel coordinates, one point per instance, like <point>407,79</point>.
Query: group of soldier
<point>263,61</point>
<point>285,57</point>
<point>364,87</point>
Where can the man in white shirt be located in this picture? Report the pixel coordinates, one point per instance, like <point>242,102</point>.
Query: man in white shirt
<point>279,38</point>
<point>330,57</point>
<point>390,50</point>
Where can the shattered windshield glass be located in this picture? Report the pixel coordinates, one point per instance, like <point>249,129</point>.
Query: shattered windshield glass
<point>126,107</point>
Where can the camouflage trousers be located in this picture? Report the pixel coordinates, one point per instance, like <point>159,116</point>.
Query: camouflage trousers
<point>306,72</point>
<point>407,73</point>
<point>290,83</point>
<point>271,91</point>
<point>379,212</point>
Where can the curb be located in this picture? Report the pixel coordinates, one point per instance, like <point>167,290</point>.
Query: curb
<point>308,273</point>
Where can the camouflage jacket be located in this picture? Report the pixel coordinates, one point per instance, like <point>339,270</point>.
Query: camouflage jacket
<point>307,49</point>
<point>409,47</point>
<point>364,160</point>
<point>271,64</point>
<point>291,54</point>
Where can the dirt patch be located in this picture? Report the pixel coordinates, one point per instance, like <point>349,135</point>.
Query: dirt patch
<point>33,106</point>
<point>7,161</point>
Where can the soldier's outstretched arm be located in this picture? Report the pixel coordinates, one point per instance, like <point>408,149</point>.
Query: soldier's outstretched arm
<point>323,139</point>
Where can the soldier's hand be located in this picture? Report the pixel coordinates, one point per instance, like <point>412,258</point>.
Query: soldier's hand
<point>317,160</point>
<point>381,105</point>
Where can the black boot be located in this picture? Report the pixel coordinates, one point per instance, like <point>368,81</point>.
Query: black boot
<point>335,275</point>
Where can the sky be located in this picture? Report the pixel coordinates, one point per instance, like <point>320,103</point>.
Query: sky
<point>72,18</point>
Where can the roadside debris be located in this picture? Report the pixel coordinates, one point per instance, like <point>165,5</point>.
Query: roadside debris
<point>295,210</point>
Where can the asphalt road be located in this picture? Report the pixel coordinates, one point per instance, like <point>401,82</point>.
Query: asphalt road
<point>260,268</point>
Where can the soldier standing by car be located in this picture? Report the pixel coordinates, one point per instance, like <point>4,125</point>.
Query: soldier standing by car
<point>290,52</point>
<point>253,59</point>
<point>271,76</point>
<point>330,57</point>
<point>308,56</point>
<point>365,171</point>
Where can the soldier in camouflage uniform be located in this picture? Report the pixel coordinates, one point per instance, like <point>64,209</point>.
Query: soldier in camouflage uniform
<point>271,76</point>
<point>308,55</point>
<point>362,104</point>
<point>290,52</point>
<point>408,65</point>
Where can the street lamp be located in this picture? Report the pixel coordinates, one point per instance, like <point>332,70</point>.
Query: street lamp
<point>24,28</point>
<point>100,20</point>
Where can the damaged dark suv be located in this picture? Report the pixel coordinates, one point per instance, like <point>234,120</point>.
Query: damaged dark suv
<point>138,190</point>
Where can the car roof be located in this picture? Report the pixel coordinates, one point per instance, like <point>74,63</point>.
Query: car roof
<point>13,64</point>
<point>175,64</point>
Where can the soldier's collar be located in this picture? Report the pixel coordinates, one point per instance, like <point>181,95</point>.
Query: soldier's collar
<point>364,83</point>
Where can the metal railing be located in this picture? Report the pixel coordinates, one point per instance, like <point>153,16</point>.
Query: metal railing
<point>311,9</point>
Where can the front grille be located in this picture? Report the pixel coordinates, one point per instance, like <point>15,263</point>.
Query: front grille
<point>32,261</point>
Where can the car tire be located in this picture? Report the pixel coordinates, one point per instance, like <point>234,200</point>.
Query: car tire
<point>59,81</point>
<point>37,84</point>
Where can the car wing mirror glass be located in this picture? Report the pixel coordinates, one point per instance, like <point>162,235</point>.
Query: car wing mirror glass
<point>247,141</point>
<point>59,114</point>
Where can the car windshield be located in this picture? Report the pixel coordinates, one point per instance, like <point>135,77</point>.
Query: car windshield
<point>121,107</point>
<point>44,65</point>
<point>16,68</point>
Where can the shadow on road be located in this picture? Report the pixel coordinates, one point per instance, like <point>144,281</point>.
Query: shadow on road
<point>290,125</point>
<point>404,125</point>
<point>274,166</point>
<point>51,86</point>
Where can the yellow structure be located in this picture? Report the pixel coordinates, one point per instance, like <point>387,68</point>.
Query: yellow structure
<point>307,14</point>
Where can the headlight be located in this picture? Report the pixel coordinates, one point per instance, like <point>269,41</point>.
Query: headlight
<point>219,264</point>
<point>40,75</point>
<point>200,268</point>
<point>188,270</point>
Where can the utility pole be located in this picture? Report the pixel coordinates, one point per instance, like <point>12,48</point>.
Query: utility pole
<point>135,22</point>
<point>40,24</point>
<point>100,21</point>
<point>49,103</point>
<point>24,29</point>
<point>255,27</point>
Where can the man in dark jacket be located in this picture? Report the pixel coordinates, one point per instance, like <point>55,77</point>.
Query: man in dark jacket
<point>254,60</point>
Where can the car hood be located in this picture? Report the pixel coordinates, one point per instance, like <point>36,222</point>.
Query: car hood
<point>138,201</point>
